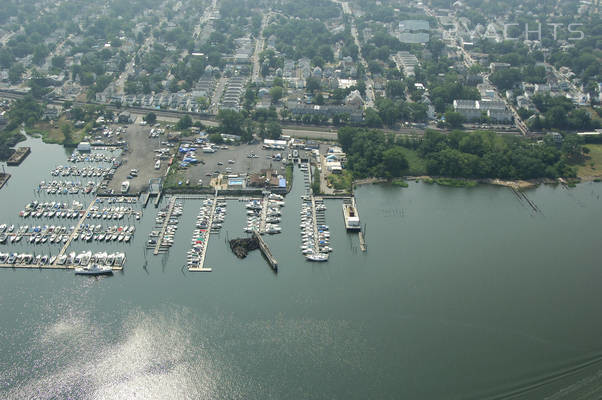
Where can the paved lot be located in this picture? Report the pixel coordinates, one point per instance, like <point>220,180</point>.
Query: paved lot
<point>140,156</point>
<point>242,163</point>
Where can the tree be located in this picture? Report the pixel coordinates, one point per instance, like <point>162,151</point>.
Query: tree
<point>319,100</point>
<point>572,147</point>
<point>150,118</point>
<point>67,133</point>
<point>276,93</point>
<point>216,138</point>
<point>394,161</point>
<point>395,89</point>
<point>184,123</point>
<point>274,130</point>
<point>453,119</point>
<point>230,122</point>
<point>373,120</point>
<point>312,84</point>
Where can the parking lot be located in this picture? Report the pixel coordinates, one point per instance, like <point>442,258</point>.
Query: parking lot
<point>220,162</point>
<point>140,156</point>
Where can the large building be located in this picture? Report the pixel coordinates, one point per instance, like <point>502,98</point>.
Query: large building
<point>473,110</point>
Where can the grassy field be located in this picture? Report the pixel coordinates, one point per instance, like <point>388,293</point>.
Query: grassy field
<point>53,133</point>
<point>417,166</point>
<point>592,167</point>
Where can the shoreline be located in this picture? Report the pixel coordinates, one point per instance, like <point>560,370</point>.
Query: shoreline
<point>515,184</point>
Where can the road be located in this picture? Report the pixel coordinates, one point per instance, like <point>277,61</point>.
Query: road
<point>370,97</point>
<point>259,44</point>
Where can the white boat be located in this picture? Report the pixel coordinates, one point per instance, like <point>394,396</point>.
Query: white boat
<point>319,257</point>
<point>125,186</point>
<point>94,269</point>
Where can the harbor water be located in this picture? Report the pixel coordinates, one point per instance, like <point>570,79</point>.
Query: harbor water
<point>463,293</point>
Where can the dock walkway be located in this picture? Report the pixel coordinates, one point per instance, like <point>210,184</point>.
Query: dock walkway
<point>265,250</point>
<point>264,213</point>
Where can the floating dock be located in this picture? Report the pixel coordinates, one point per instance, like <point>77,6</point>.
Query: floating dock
<point>265,250</point>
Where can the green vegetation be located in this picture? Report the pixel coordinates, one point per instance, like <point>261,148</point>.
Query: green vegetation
<point>315,185</point>
<point>150,118</point>
<point>452,182</point>
<point>400,183</point>
<point>371,153</point>
<point>459,155</point>
<point>342,181</point>
<point>560,113</point>
<point>592,163</point>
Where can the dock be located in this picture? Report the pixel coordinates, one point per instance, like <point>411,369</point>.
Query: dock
<point>264,213</point>
<point>362,241</point>
<point>145,199</point>
<point>265,250</point>
<point>50,266</point>
<point>172,203</point>
<point>315,222</point>
<point>201,267</point>
<point>76,230</point>
<point>3,179</point>
<point>18,156</point>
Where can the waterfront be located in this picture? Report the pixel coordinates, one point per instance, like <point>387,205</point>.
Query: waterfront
<point>462,293</point>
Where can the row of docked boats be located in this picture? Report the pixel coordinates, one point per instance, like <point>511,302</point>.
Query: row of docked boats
<point>67,170</point>
<point>165,238</point>
<point>98,233</point>
<point>83,260</point>
<point>77,157</point>
<point>205,224</point>
<point>264,212</point>
<point>68,187</point>
<point>315,236</point>
<point>114,213</point>
<point>52,209</point>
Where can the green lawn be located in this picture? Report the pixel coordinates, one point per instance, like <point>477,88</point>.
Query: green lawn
<point>592,167</point>
<point>417,166</point>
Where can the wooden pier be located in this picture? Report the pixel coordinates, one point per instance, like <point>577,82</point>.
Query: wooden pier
<point>265,250</point>
<point>172,203</point>
<point>201,267</point>
<point>362,241</point>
